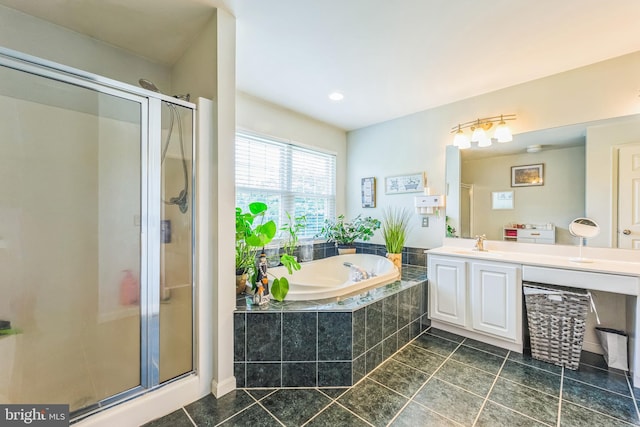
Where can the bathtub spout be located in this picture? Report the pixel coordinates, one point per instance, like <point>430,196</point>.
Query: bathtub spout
<point>357,273</point>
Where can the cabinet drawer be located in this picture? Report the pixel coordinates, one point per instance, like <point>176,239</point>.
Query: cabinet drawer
<point>536,233</point>
<point>581,279</point>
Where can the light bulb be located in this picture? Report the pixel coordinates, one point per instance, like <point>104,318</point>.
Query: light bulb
<point>484,141</point>
<point>503,133</point>
<point>478,134</point>
<point>461,140</point>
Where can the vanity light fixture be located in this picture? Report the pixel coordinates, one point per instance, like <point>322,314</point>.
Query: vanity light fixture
<point>479,128</point>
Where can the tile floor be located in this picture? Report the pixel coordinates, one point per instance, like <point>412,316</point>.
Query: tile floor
<point>438,379</point>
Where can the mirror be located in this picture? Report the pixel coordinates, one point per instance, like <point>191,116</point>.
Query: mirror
<point>563,155</point>
<point>583,228</point>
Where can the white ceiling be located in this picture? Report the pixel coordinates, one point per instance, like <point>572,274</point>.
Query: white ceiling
<point>389,58</point>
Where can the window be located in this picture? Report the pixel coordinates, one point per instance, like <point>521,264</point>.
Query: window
<point>288,178</point>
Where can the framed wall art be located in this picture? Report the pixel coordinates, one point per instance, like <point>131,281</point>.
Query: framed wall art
<point>528,175</point>
<point>368,192</point>
<point>403,184</point>
<point>502,200</point>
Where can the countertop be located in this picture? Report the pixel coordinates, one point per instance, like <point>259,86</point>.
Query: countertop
<point>609,261</point>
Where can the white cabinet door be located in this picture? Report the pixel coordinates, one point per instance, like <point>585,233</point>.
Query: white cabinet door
<point>447,289</point>
<point>495,290</point>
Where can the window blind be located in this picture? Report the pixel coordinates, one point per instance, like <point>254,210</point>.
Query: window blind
<point>288,178</point>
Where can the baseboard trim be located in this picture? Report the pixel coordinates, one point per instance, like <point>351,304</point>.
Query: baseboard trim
<point>219,389</point>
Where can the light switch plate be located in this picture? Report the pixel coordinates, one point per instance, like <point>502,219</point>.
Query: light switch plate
<point>425,221</point>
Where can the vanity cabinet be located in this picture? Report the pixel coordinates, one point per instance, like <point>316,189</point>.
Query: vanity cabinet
<point>494,291</point>
<point>477,298</point>
<point>448,290</point>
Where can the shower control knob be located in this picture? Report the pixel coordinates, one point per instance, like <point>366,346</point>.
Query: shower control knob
<point>626,232</point>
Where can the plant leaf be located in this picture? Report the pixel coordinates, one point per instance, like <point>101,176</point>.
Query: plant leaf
<point>290,263</point>
<point>280,288</point>
<point>257,208</point>
<point>269,229</point>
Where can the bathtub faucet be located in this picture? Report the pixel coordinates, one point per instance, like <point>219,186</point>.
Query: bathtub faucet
<point>356,273</point>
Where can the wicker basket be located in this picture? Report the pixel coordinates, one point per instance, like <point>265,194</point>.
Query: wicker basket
<point>557,318</point>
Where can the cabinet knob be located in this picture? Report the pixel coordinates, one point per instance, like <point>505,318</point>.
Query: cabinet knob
<point>626,232</point>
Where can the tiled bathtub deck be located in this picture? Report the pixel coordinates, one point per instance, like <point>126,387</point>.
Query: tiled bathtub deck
<point>438,379</point>
<point>327,342</point>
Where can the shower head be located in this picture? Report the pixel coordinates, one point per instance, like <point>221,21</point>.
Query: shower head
<point>148,85</point>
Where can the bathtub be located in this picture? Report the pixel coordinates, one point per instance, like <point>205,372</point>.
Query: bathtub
<point>330,278</point>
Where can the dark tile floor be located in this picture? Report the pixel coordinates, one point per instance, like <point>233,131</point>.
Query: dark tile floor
<point>438,379</point>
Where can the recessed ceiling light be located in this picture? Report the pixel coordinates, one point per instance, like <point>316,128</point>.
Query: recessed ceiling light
<point>336,96</point>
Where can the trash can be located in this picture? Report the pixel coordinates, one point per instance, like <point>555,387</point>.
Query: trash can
<point>614,345</point>
<point>557,319</point>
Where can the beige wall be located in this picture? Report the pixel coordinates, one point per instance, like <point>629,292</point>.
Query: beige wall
<point>259,116</point>
<point>34,36</point>
<point>558,201</point>
<point>417,142</point>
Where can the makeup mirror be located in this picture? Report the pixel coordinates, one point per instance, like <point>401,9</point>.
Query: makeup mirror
<point>583,228</point>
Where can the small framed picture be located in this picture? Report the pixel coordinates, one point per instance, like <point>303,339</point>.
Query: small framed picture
<point>403,183</point>
<point>368,191</point>
<point>502,200</point>
<point>527,175</point>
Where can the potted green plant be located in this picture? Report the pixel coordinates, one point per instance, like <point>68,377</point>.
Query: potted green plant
<point>251,236</point>
<point>451,231</point>
<point>395,223</point>
<point>345,233</point>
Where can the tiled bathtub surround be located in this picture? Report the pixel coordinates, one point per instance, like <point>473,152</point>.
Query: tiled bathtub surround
<point>410,256</point>
<point>327,342</point>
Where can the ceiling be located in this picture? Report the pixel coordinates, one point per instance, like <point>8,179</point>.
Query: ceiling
<point>389,58</point>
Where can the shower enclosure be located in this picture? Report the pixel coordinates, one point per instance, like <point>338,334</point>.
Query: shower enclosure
<point>96,237</point>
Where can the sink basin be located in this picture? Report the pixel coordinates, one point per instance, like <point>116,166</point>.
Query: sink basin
<point>478,253</point>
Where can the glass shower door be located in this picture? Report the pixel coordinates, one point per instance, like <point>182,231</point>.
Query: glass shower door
<point>176,243</point>
<point>70,241</point>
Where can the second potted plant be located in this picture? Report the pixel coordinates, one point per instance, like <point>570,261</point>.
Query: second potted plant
<point>395,223</point>
<point>345,233</point>
<point>290,233</point>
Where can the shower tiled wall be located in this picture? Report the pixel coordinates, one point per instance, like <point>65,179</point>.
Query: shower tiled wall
<point>320,348</point>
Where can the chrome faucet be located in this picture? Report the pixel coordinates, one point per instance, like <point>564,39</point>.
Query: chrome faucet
<point>357,273</point>
<point>480,243</point>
